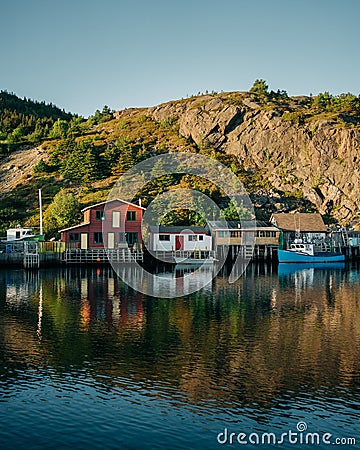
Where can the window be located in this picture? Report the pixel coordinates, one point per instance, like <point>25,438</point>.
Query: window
<point>122,238</point>
<point>98,238</point>
<point>235,234</point>
<point>74,237</point>
<point>116,219</point>
<point>164,237</point>
<point>131,215</point>
<point>192,237</point>
<point>100,215</point>
<point>17,234</point>
<point>201,237</point>
<point>131,238</point>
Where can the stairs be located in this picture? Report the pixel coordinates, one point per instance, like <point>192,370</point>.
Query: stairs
<point>345,237</point>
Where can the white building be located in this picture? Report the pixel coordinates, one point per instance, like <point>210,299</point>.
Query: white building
<point>179,238</point>
<point>17,234</point>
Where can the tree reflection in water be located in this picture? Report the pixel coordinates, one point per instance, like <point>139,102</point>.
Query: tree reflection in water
<point>248,344</point>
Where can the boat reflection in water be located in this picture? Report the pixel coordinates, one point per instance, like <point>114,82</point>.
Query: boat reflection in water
<point>311,285</point>
<point>310,279</point>
<point>292,268</point>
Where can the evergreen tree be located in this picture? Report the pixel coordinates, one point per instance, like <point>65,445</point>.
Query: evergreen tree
<point>37,135</point>
<point>90,167</point>
<point>126,157</point>
<point>163,180</point>
<point>82,162</point>
<point>75,125</point>
<point>260,87</point>
<point>59,129</point>
<point>71,167</point>
<point>323,101</point>
<point>24,120</point>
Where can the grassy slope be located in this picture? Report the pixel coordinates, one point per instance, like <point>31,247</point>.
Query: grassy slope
<point>153,138</point>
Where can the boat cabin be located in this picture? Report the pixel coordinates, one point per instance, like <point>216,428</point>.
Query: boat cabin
<point>308,249</point>
<point>18,234</point>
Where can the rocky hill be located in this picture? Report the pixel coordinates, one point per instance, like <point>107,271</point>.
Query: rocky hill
<point>292,153</point>
<point>315,160</point>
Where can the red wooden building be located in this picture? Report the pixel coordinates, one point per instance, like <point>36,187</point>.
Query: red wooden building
<point>110,224</point>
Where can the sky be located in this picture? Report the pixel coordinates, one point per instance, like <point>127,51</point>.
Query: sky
<point>84,54</point>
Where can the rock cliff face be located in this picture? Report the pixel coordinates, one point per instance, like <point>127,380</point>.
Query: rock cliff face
<point>317,161</point>
<point>17,167</point>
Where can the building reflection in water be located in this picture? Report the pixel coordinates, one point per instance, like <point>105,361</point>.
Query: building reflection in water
<point>102,299</point>
<point>265,335</point>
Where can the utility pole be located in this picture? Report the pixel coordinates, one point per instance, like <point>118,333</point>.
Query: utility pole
<point>41,218</point>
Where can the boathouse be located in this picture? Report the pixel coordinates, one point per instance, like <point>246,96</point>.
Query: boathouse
<point>249,239</point>
<point>307,226</point>
<point>167,243</point>
<point>112,224</point>
<point>174,238</point>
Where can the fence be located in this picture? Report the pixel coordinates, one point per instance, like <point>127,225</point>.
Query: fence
<point>90,256</point>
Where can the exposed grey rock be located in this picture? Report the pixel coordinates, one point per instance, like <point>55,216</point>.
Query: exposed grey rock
<point>318,158</point>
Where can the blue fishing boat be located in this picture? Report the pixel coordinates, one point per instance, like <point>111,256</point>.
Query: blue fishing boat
<point>303,252</point>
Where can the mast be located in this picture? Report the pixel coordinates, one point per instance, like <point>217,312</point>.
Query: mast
<point>41,218</point>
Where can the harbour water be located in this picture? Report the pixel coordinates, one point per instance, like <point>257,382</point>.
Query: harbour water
<point>88,363</point>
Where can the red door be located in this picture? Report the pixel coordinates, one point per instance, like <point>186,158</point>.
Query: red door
<point>179,242</point>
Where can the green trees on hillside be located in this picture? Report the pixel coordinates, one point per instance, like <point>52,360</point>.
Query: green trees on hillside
<point>9,216</point>
<point>345,108</point>
<point>101,116</point>
<point>259,87</point>
<point>343,103</point>
<point>122,156</point>
<point>80,153</point>
<point>78,161</point>
<point>63,212</point>
<point>27,121</point>
<point>59,129</point>
<point>85,161</point>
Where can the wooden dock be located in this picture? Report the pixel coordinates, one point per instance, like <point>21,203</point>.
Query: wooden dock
<point>102,256</point>
<point>169,256</point>
<point>33,254</point>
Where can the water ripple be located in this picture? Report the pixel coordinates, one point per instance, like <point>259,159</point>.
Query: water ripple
<point>122,368</point>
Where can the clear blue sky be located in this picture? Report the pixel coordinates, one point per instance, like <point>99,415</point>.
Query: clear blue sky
<point>83,54</point>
